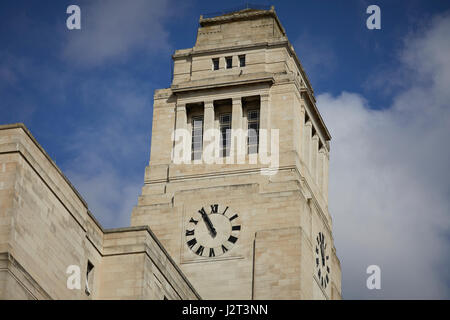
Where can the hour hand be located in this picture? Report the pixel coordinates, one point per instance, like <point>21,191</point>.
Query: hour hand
<point>210,226</point>
<point>208,223</point>
<point>322,253</point>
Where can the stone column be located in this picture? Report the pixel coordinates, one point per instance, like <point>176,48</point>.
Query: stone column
<point>307,144</point>
<point>325,176</point>
<point>237,140</point>
<point>181,117</point>
<point>264,112</point>
<point>208,125</point>
<point>314,157</point>
<point>264,117</point>
<point>301,133</point>
<point>182,136</point>
<point>321,170</point>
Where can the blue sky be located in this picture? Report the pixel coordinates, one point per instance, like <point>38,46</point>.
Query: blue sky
<point>87,97</point>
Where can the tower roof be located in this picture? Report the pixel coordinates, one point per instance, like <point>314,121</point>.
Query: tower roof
<point>239,26</point>
<point>243,13</point>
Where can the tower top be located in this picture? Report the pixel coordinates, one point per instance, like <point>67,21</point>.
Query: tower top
<point>246,7</point>
<point>247,12</point>
<point>253,34</point>
<point>238,26</point>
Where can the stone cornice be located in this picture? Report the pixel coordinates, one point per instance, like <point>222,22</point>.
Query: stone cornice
<point>210,84</point>
<point>197,51</point>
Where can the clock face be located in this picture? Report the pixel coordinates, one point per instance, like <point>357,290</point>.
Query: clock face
<point>322,260</point>
<point>213,230</point>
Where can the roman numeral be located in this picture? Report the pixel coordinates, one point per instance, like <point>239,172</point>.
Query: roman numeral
<point>193,221</point>
<point>224,249</point>
<point>321,237</point>
<point>232,239</point>
<point>225,210</point>
<point>189,232</point>
<point>200,250</point>
<point>191,243</point>
<point>211,252</point>
<point>236,228</point>
<point>214,208</point>
<point>233,217</point>
<point>202,211</point>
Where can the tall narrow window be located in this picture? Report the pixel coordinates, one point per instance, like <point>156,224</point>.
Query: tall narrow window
<point>242,60</point>
<point>225,134</point>
<point>197,138</point>
<point>215,62</point>
<point>89,278</point>
<point>229,61</point>
<point>253,131</point>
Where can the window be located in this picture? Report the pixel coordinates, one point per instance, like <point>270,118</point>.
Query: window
<point>242,60</point>
<point>197,138</point>
<point>215,62</point>
<point>229,61</point>
<point>253,131</point>
<point>89,278</point>
<point>225,134</point>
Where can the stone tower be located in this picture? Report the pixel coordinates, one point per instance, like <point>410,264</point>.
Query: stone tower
<point>238,225</point>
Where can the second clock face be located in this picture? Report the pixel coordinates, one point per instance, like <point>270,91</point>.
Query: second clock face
<point>322,257</point>
<point>213,230</point>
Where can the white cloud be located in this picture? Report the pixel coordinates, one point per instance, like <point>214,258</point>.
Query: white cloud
<point>389,176</point>
<point>113,29</point>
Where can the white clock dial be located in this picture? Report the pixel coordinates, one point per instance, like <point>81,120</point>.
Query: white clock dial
<point>213,230</point>
<point>322,260</point>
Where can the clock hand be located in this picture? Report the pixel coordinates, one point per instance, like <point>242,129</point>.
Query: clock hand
<point>322,253</point>
<point>208,223</point>
<point>210,226</point>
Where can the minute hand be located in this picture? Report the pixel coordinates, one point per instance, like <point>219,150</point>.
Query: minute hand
<point>208,223</point>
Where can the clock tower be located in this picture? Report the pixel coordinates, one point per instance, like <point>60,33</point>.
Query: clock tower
<point>237,185</point>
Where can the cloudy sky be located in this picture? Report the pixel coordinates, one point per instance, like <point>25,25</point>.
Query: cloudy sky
<point>385,95</point>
